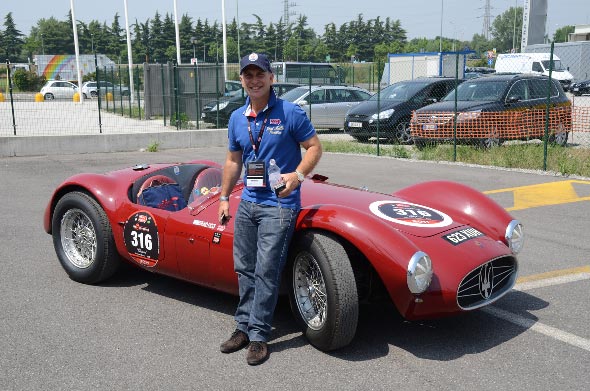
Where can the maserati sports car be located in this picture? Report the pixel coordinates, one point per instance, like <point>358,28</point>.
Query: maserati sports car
<point>434,249</point>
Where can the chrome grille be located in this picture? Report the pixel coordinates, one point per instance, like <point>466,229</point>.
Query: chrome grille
<point>434,118</point>
<point>487,283</point>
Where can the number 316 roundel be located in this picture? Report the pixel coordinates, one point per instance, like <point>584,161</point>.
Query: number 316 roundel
<point>141,238</point>
<point>407,213</point>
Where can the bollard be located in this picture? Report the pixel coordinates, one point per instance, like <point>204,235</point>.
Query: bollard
<point>76,97</point>
<point>109,96</point>
<point>1,97</point>
<point>39,97</point>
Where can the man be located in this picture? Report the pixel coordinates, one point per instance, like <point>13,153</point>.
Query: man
<point>265,128</point>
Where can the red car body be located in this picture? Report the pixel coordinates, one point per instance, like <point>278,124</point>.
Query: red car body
<point>464,233</point>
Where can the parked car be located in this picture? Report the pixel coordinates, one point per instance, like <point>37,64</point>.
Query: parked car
<point>58,89</point>
<point>220,110</point>
<point>327,105</point>
<point>391,110</point>
<point>495,108</point>
<point>434,249</point>
<point>232,88</point>
<point>90,89</point>
<point>580,87</point>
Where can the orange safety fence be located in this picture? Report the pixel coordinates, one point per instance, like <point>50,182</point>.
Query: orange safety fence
<point>516,124</point>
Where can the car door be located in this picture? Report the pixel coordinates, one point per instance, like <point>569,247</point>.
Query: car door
<point>315,107</point>
<point>521,123</point>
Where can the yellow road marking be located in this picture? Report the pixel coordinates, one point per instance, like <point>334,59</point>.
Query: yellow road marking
<point>553,274</point>
<point>552,193</point>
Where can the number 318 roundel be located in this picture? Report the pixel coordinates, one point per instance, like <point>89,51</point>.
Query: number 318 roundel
<point>141,238</point>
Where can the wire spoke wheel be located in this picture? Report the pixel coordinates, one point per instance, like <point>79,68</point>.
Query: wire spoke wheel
<point>78,238</point>
<point>310,291</point>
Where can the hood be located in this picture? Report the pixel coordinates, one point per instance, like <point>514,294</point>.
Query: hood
<point>462,106</point>
<point>369,107</point>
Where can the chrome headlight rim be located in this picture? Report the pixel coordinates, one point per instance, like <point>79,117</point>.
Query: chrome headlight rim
<point>385,114</point>
<point>468,115</point>
<point>419,275</point>
<point>515,236</point>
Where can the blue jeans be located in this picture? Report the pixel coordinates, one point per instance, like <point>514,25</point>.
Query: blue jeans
<point>261,241</point>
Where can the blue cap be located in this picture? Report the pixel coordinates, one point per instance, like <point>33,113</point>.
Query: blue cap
<point>260,60</point>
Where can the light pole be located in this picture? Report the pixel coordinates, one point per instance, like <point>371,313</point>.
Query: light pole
<point>42,44</point>
<point>92,39</point>
<point>514,30</point>
<point>194,42</point>
<point>441,25</point>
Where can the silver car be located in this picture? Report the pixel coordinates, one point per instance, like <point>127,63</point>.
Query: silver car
<point>58,89</point>
<point>327,105</point>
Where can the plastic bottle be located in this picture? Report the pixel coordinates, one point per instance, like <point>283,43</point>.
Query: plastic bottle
<point>274,176</point>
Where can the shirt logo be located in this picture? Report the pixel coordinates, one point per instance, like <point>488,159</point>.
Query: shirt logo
<point>275,121</point>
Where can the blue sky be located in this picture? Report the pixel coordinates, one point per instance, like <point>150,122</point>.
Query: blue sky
<point>420,18</point>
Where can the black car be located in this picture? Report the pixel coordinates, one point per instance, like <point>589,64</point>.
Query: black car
<point>218,112</point>
<point>495,108</point>
<point>580,88</point>
<point>392,108</point>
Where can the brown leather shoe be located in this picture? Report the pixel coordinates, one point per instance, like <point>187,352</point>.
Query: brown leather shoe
<point>257,353</point>
<point>237,341</point>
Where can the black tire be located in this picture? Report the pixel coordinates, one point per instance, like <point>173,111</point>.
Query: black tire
<point>422,144</point>
<point>83,239</point>
<point>362,139</point>
<point>85,96</point>
<point>48,96</point>
<point>94,94</point>
<point>492,140</point>
<point>319,268</point>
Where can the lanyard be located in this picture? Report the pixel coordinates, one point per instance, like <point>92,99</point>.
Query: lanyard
<point>256,145</point>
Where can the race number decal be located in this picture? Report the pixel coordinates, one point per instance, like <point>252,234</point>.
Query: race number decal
<point>406,213</point>
<point>141,238</point>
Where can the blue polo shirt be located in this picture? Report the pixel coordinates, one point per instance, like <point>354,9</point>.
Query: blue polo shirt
<point>287,125</point>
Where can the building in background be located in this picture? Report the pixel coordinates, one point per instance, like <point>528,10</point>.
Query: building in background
<point>63,66</point>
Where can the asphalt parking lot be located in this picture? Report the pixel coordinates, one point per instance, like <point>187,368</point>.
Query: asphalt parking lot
<point>143,331</point>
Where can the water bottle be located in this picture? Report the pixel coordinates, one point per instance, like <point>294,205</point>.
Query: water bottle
<point>274,176</point>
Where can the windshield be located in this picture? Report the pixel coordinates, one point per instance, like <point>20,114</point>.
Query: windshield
<point>478,90</point>
<point>557,66</point>
<point>399,91</point>
<point>294,94</point>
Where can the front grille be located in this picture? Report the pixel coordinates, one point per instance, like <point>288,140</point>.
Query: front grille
<point>487,283</point>
<point>434,118</point>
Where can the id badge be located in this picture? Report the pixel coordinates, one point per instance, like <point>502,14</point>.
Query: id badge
<point>256,174</point>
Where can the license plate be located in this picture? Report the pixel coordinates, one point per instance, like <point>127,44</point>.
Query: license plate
<point>355,124</point>
<point>576,89</point>
<point>429,127</point>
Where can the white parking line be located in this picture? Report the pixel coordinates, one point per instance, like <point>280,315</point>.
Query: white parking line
<point>539,327</point>
<point>547,279</point>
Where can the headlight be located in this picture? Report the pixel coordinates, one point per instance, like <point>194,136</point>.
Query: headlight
<point>383,115</point>
<point>220,106</point>
<point>469,115</point>
<point>419,272</point>
<point>515,236</point>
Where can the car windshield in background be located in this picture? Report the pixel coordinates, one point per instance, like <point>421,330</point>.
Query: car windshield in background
<point>399,91</point>
<point>557,66</point>
<point>478,90</point>
<point>294,94</point>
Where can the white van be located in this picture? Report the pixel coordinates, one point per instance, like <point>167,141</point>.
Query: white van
<point>534,63</point>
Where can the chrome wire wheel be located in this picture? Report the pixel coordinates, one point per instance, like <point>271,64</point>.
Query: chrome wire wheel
<point>310,291</point>
<point>78,238</point>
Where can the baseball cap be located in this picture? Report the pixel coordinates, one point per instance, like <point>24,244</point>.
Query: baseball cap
<point>260,60</point>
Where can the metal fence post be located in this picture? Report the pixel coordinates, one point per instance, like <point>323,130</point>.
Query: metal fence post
<point>547,108</point>
<point>217,93</point>
<point>120,90</point>
<point>455,109</point>
<point>10,93</point>
<point>98,93</point>
<point>195,70</point>
<point>176,108</point>
<point>163,91</point>
<point>137,89</point>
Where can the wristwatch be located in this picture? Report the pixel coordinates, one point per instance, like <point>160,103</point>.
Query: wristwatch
<point>223,198</point>
<point>300,176</point>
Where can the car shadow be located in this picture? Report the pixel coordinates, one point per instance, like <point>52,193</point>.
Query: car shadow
<point>381,330</point>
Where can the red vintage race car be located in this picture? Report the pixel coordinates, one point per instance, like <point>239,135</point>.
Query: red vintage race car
<point>435,249</point>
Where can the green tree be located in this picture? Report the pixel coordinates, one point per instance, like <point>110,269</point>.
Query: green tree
<point>507,30</point>
<point>562,33</point>
<point>11,40</point>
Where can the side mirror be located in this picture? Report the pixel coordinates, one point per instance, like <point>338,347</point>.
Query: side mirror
<point>430,101</point>
<point>302,103</point>
<point>513,99</point>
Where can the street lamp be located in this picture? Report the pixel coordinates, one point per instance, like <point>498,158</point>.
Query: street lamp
<point>441,25</point>
<point>42,44</point>
<point>194,42</point>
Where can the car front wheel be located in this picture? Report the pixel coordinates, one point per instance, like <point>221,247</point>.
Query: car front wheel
<point>48,96</point>
<point>83,239</point>
<point>322,291</point>
<point>402,132</point>
<point>559,136</point>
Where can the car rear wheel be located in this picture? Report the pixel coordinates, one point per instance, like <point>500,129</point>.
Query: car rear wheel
<point>93,94</point>
<point>322,291</point>
<point>49,96</point>
<point>492,140</point>
<point>362,139</point>
<point>83,239</point>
